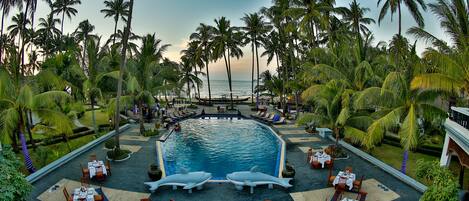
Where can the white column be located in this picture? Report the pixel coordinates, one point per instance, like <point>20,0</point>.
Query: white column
<point>445,158</point>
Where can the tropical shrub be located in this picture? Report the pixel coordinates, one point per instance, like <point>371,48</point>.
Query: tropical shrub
<point>150,133</point>
<point>444,185</point>
<point>118,154</point>
<point>13,184</point>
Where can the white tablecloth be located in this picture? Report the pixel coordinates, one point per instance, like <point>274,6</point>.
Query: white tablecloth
<point>321,158</point>
<point>348,179</point>
<point>94,166</point>
<point>348,199</point>
<point>88,195</point>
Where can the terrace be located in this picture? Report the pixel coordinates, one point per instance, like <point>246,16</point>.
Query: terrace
<point>126,182</point>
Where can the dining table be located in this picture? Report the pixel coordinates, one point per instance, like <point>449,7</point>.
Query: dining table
<point>96,166</point>
<point>321,157</point>
<point>344,178</point>
<point>84,194</point>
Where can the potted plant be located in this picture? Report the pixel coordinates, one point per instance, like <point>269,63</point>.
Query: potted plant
<point>311,127</point>
<point>289,171</point>
<point>154,172</point>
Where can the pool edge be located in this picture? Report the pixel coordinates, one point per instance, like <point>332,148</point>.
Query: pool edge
<point>159,151</point>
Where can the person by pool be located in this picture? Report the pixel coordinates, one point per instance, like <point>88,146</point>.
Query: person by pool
<point>177,127</point>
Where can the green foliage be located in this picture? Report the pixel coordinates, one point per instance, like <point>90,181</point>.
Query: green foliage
<point>110,144</point>
<point>42,153</point>
<point>13,184</point>
<point>118,154</point>
<point>444,185</point>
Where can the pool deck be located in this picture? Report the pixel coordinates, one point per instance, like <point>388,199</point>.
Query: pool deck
<point>308,185</point>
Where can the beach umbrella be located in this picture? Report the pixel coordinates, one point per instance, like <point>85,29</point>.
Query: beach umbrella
<point>27,158</point>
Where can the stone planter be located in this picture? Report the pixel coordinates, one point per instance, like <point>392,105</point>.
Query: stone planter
<point>154,172</point>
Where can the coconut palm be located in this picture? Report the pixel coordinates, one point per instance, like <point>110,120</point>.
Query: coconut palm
<point>118,9</point>
<point>193,58</point>
<point>17,99</point>
<point>83,34</point>
<point>357,22</point>
<point>454,19</point>
<point>6,6</point>
<point>255,29</point>
<point>398,106</point>
<point>66,8</point>
<point>16,29</point>
<point>132,47</point>
<point>226,44</point>
<point>395,6</point>
<point>143,72</point>
<point>203,37</point>
<point>189,74</point>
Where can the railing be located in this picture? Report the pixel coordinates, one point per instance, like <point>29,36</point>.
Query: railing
<point>460,115</point>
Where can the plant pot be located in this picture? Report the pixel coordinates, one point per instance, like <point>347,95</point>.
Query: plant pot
<point>154,173</point>
<point>289,171</point>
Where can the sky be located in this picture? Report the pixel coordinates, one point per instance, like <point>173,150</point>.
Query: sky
<point>174,20</point>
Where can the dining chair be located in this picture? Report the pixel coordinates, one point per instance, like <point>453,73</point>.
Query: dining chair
<point>100,175</point>
<point>330,177</point>
<point>330,163</point>
<point>67,196</point>
<point>84,182</point>
<point>349,169</point>
<point>108,167</point>
<point>92,157</point>
<point>315,165</point>
<point>361,196</point>
<point>145,199</point>
<point>85,171</point>
<point>357,184</point>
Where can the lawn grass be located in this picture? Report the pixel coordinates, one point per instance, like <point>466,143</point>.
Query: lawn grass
<point>392,156</point>
<point>101,118</point>
<point>54,152</point>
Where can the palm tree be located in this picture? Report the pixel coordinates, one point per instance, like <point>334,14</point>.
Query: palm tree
<point>6,6</point>
<point>83,34</point>
<point>117,9</point>
<point>47,32</point>
<point>16,29</point>
<point>194,59</point>
<point>226,43</point>
<point>189,75</point>
<point>123,64</point>
<point>453,18</point>
<point>395,5</point>
<point>203,38</point>
<point>399,106</point>
<point>255,29</point>
<point>66,8</point>
<point>357,22</point>
<point>132,48</point>
<point>143,72</point>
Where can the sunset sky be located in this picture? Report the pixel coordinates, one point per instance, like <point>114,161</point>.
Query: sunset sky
<point>174,20</point>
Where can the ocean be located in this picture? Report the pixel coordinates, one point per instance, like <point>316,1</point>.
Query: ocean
<point>220,88</point>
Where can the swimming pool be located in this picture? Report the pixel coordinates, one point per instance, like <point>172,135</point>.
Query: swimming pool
<point>222,146</point>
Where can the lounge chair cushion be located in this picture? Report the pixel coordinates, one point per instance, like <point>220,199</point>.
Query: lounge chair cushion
<point>276,117</point>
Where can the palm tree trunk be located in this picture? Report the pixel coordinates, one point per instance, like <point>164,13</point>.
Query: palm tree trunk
<point>189,90</point>
<point>404,161</point>
<point>258,73</point>
<point>229,79</point>
<point>1,34</point>
<point>400,18</point>
<point>115,31</point>
<point>140,108</point>
<point>229,75</point>
<point>62,26</point>
<point>252,74</point>
<point>28,128</point>
<point>208,83</point>
<point>121,72</point>
<point>93,116</point>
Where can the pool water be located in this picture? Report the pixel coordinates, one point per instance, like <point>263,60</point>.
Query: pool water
<point>222,146</point>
